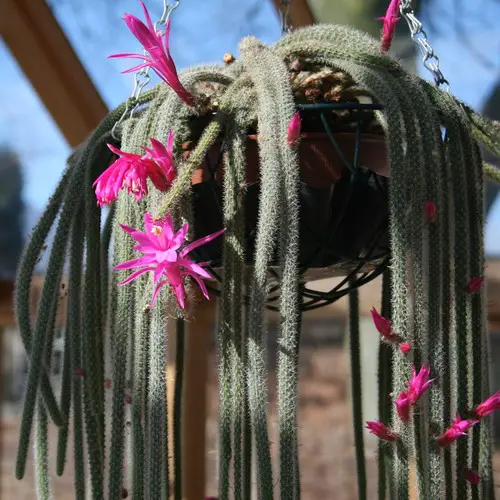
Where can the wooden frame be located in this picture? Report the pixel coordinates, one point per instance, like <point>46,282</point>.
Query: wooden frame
<point>49,62</point>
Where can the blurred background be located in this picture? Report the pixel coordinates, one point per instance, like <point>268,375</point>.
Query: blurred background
<point>56,83</point>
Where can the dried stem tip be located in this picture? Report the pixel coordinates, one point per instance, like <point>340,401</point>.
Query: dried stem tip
<point>228,58</point>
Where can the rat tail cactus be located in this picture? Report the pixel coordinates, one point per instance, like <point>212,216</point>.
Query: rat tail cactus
<point>136,172</point>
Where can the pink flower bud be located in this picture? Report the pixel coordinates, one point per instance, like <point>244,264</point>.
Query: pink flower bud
<point>430,211</point>
<point>390,20</point>
<point>457,429</point>
<point>294,130</point>
<point>472,476</point>
<point>381,431</point>
<point>383,326</point>
<point>405,348</point>
<point>488,406</point>
<point>475,284</point>
<point>403,407</point>
<point>419,384</point>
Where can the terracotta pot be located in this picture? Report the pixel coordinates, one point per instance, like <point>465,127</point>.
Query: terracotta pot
<point>320,164</point>
<point>340,216</point>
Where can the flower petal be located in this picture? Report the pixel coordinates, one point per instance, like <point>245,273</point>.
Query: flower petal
<point>199,242</point>
<point>135,275</point>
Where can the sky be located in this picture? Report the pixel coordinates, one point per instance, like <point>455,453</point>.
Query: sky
<point>201,33</point>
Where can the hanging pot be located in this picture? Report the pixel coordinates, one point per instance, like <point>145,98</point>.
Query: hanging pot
<point>343,201</point>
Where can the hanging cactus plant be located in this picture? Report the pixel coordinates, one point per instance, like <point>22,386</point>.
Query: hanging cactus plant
<point>433,359</point>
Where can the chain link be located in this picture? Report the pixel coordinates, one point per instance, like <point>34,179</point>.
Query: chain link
<point>142,77</point>
<point>419,36</point>
<point>286,26</point>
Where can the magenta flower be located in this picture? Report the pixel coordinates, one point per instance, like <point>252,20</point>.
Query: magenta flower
<point>131,171</point>
<point>293,133</point>
<point>390,20</point>
<point>457,429</point>
<point>430,211</point>
<point>419,384</point>
<point>164,175</point>
<point>472,476</point>
<point>162,255</point>
<point>405,348</point>
<point>475,284</point>
<point>159,58</point>
<point>383,325</point>
<point>488,406</point>
<point>403,407</point>
<point>381,431</point>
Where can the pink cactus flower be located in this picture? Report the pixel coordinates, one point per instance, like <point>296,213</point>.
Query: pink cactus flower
<point>475,284</point>
<point>80,372</point>
<point>403,407</point>
<point>107,383</point>
<point>472,476</point>
<point>383,325</point>
<point>457,429</point>
<point>381,431</point>
<point>131,171</point>
<point>405,348</point>
<point>419,384</point>
<point>164,175</point>
<point>159,58</point>
<point>488,406</point>
<point>294,130</point>
<point>430,211</point>
<point>390,20</point>
<point>162,255</point>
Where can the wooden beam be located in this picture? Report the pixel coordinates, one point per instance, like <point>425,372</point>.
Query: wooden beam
<point>300,13</point>
<point>42,50</point>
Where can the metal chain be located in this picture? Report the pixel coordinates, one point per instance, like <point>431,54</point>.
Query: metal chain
<point>286,26</point>
<point>419,36</point>
<point>142,77</point>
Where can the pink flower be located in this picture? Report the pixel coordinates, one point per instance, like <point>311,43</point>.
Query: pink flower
<point>488,406</point>
<point>160,246</point>
<point>159,58</point>
<point>390,20</point>
<point>383,325</point>
<point>107,383</point>
<point>294,130</point>
<point>381,431</point>
<point>475,284</point>
<point>131,171</point>
<point>430,211</point>
<point>164,175</point>
<point>79,372</point>
<point>403,407</point>
<point>472,476</point>
<point>419,384</point>
<point>405,348</point>
<point>458,429</point>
